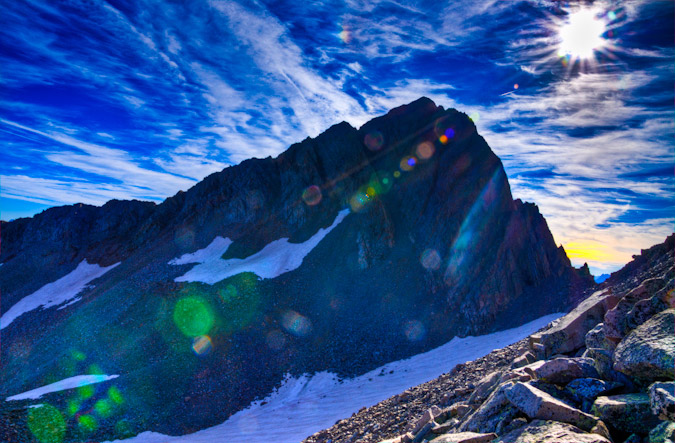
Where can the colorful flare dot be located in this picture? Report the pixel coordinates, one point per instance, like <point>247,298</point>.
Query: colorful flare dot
<point>86,391</point>
<point>345,35</point>
<point>87,423</point>
<point>115,396</point>
<point>73,407</point>
<point>296,324</point>
<point>228,294</point>
<point>449,133</point>
<point>202,345</point>
<point>516,86</point>
<point>79,356</point>
<point>104,408</point>
<point>430,259</point>
<point>397,174</point>
<point>475,117</point>
<point>359,200</point>
<point>414,330</point>
<point>443,139</point>
<point>407,163</point>
<point>46,424</point>
<point>192,316</point>
<point>374,140</point>
<point>425,150</point>
<point>312,195</point>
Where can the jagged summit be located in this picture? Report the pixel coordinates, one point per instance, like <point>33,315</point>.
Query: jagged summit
<point>348,250</point>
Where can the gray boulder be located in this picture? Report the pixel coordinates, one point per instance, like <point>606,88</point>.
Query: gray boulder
<point>595,339</point>
<point>587,389</point>
<point>570,332</point>
<point>663,433</point>
<point>648,353</point>
<point>615,326</point>
<point>662,400</point>
<point>540,431</point>
<point>494,410</point>
<point>465,437</point>
<point>626,413</point>
<point>563,370</point>
<point>536,403</point>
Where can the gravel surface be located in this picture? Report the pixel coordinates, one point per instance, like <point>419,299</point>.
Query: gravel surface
<point>393,416</point>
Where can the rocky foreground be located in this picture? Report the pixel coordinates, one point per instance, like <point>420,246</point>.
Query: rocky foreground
<point>603,373</point>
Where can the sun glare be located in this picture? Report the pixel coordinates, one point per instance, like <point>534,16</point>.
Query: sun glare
<point>582,34</point>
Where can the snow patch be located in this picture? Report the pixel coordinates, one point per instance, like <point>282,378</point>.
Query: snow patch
<point>308,404</point>
<point>62,290</point>
<point>62,385</point>
<point>276,258</point>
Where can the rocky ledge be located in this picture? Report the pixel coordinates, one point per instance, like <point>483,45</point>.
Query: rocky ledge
<point>602,373</point>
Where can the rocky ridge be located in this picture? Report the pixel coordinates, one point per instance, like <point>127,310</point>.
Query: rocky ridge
<point>602,373</point>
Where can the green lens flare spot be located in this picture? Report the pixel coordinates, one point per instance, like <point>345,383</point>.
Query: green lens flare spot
<point>73,407</point>
<point>193,316</point>
<point>95,370</point>
<point>79,356</point>
<point>46,424</point>
<point>87,423</point>
<point>104,408</point>
<point>123,429</point>
<point>86,391</point>
<point>115,396</point>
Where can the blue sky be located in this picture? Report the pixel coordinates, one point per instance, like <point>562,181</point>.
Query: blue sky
<point>140,99</point>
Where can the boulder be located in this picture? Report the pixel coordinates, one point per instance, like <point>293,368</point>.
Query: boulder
<point>536,403</point>
<point>493,411</point>
<point>662,400</point>
<point>426,418</point>
<point>626,413</point>
<point>587,389</point>
<point>663,433</point>
<point>540,431</point>
<point>523,360</point>
<point>563,370</point>
<point>646,309</point>
<point>459,410</point>
<point>614,323</point>
<point>595,339</point>
<point>648,353</point>
<point>466,437</point>
<point>569,333</point>
<point>485,387</point>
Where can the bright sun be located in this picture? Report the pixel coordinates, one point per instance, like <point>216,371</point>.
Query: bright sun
<point>581,34</point>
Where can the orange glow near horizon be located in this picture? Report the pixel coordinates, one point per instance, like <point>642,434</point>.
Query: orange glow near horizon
<point>589,250</point>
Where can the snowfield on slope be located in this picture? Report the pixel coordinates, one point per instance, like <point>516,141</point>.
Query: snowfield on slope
<point>61,291</point>
<point>305,405</point>
<point>276,258</point>
<point>62,385</point>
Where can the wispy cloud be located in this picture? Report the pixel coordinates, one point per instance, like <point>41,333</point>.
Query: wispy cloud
<point>143,99</point>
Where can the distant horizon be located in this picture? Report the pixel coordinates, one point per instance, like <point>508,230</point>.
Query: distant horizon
<point>101,103</point>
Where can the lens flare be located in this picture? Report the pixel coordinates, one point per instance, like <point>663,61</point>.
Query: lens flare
<point>430,259</point>
<point>582,34</point>
<point>312,195</point>
<point>104,408</point>
<point>87,423</point>
<point>374,140</point>
<point>202,345</point>
<point>407,163</point>
<point>46,424</point>
<point>425,150</point>
<point>193,316</point>
<point>296,324</point>
<point>414,330</point>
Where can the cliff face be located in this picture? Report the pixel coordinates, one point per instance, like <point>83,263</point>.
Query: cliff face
<point>432,246</point>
